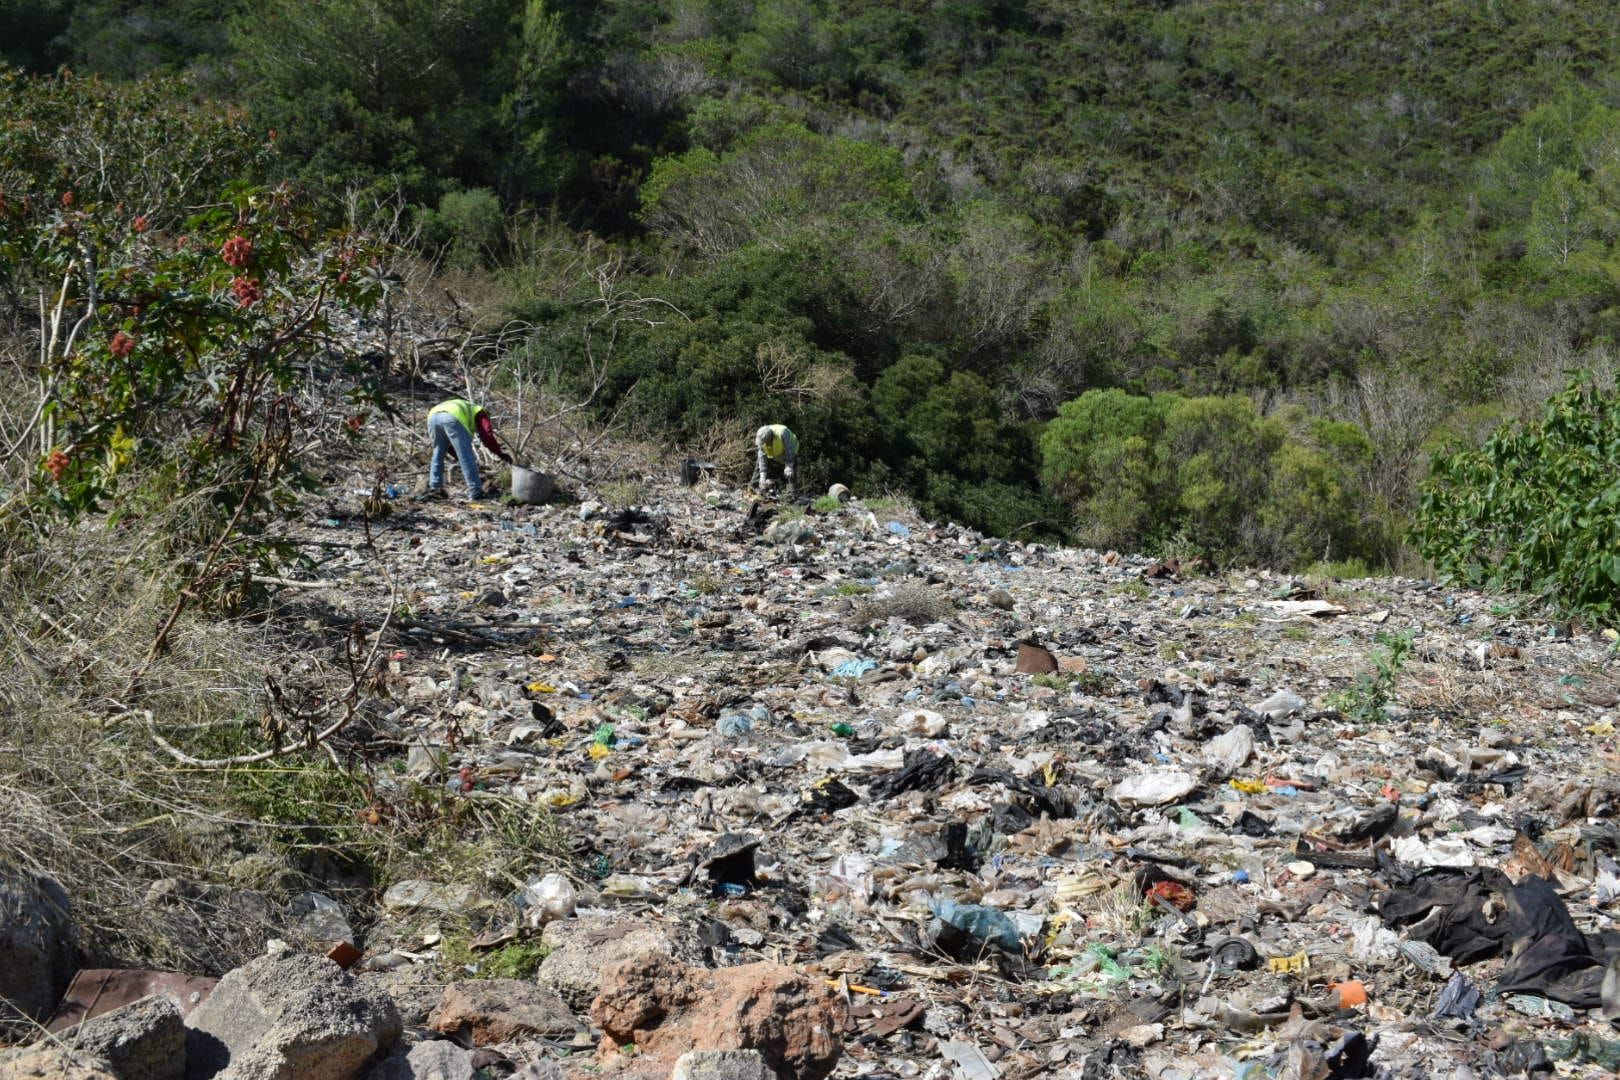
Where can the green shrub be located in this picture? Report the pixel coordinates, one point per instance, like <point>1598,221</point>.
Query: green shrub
<point>1537,508</point>
<point>1207,474</point>
<point>469,228</point>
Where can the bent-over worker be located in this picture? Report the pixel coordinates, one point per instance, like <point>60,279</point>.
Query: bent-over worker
<point>451,424</point>
<point>776,443</point>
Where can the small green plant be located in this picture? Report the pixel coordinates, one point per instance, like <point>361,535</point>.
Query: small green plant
<point>623,492</point>
<point>1134,589</point>
<point>853,588</point>
<point>826,504</point>
<point>1364,700</point>
<point>1089,682</point>
<point>516,960</point>
<point>707,584</point>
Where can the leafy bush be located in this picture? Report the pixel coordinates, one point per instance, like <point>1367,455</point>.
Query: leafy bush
<point>1537,508</point>
<point>174,339</point>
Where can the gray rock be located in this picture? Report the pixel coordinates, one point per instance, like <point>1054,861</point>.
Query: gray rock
<point>144,1040</point>
<point>290,1017</point>
<point>429,896</point>
<point>436,1060</point>
<point>49,1062</point>
<point>316,917</point>
<point>39,949</point>
<point>722,1065</point>
<point>581,948</point>
<point>414,992</point>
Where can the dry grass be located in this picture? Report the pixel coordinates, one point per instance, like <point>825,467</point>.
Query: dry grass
<point>184,868</point>
<point>916,603</point>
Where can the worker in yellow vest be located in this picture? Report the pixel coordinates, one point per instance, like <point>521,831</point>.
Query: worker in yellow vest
<point>452,424</point>
<point>775,442</point>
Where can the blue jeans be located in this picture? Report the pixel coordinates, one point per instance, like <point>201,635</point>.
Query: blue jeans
<point>448,434</point>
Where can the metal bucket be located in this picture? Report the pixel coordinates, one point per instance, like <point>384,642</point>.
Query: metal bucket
<point>529,486</point>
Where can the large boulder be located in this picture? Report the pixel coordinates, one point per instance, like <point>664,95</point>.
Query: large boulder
<point>39,949</point>
<point>580,949</point>
<point>144,1040</point>
<point>290,1017</point>
<point>667,1009</point>
<point>480,1012</point>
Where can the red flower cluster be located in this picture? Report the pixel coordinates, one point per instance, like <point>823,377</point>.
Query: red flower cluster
<point>67,198</point>
<point>122,345</point>
<point>355,422</point>
<point>139,224</point>
<point>56,464</point>
<point>247,290</point>
<point>236,252</point>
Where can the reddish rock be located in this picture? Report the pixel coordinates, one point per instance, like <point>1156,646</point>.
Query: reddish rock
<point>486,1011</point>
<point>667,1009</point>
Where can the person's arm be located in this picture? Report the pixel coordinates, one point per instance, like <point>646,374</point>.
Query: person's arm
<point>759,452</point>
<point>486,435</point>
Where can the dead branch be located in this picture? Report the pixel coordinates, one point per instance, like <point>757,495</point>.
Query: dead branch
<point>349,699</point>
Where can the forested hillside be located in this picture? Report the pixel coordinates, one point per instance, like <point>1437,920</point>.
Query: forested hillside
<point>1215,276</point>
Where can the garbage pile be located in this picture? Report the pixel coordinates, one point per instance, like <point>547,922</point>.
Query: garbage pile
<point>965,807</point>
<point>1038,811</point>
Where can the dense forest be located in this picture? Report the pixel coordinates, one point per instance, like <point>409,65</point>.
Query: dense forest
<point>1216,276</point>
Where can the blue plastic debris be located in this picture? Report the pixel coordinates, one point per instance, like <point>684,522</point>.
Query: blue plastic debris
<point>985,923</point>
<point>734,725</point>
<point>897,529</point>
<point>1240,877</point>
<point>853,669</point>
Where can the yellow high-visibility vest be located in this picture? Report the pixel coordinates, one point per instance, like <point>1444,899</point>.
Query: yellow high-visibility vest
<point>779,440</point>
<point>465,412</point>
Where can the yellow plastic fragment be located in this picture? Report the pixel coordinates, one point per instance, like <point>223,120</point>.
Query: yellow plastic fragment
<point>598,751</point>
<point>541,688</point>
<point>1289,965</point>
<point>1602,727</point>
<point>1248,787</point>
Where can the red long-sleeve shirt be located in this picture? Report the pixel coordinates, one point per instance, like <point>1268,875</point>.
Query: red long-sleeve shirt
<point>486,434</point>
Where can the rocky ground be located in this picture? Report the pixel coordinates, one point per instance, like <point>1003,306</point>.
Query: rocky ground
<point>873,797</point>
